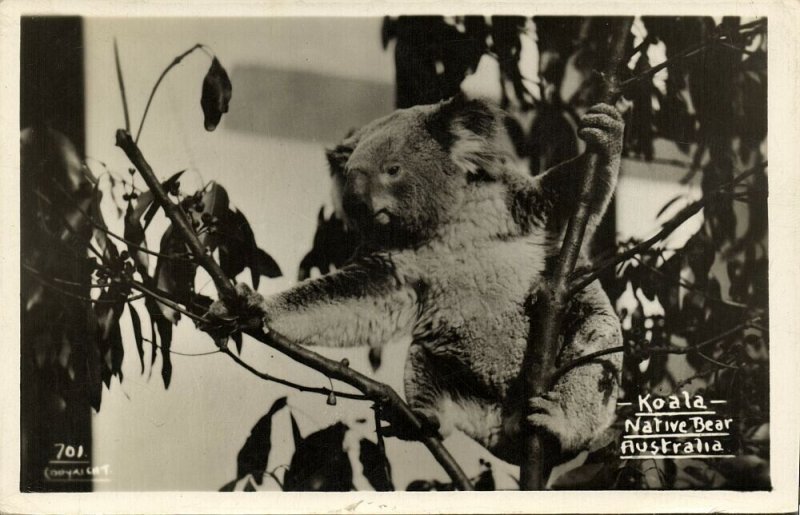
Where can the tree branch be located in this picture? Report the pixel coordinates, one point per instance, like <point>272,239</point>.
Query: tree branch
<point>299,387</point>
<point>167,302</point>
<point>548,314</point>
<point>588,276</point>
<point>625,86</point>
<point>376,391</point>
<point>587,358</point>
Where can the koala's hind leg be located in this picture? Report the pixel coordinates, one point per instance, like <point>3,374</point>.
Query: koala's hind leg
<point>421,395</point>
<point>582,403</point>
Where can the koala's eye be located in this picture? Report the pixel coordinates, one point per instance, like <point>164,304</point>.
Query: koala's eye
<point>392,170</point>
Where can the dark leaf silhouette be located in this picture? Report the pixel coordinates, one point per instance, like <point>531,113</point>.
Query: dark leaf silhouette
<point>673,119</point>
<point>485,480</point>
<point>254,454</point>
<point>552,138</point>
<point>670,473</point>
<point>99,233</point>
<point>165,330</point>
<point>238,249</point>
<point>263,265</point>
<point>320,463</point>
<point>230,486</point>
<point>333,246</point>
<point>249,486</point>
<point>751,104</point>
<point>506,45</point>
<point>94,384</point>
<point>297,438</point>
<point>237,339</point>
<point>422,485</point>
<point>109,337</point>
<point>639,125</point>
<point>161,329</point>
<point>432,57</point>
<point>375,465</point>
<point>136,322</point>
<point>174,276</point>
<point>145,202</point>
<point>89,361</point>
<point>153,314</point>
<point>585,477</point>
<point>134,233</point>
<point>556,38</point>
<point>217,90</point>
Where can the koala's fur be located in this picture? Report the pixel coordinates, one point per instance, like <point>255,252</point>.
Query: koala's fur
<point>456,241</point>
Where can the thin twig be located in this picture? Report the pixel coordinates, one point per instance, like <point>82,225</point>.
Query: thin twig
<point>302,388</point>
<point>586,358</point>
<point>715,362</point>
<point>650,72</point>
<point>736,48</point>
<point>587,276</point>
<point>689,52</point>
<point>171,65</point>
<point>121,87</point>
<point>76,296</point>
<point>755,24</point>
<point>189,354</point>
<point>692,287</point>
<point>372,389</point>
<point>667,228</point>
<point>167,302</point>
<point>646,42</point>
<point>58,280</point>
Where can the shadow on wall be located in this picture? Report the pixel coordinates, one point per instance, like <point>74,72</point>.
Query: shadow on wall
<point>304,105</point>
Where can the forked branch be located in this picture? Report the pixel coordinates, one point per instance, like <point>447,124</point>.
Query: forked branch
<point>549,312</point>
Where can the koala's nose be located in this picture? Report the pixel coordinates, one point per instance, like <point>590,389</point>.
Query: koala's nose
<point>356,207</point>
<point>356,199</point>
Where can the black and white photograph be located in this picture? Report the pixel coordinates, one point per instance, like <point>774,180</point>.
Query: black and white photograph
<point>398,251</point>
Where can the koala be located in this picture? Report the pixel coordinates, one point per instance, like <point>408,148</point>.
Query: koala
<point>456,242</point>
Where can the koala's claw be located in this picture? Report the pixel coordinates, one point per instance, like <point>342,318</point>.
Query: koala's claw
<point>243,311</point>
<point>548,404</point>
<point>549,415</point>
<point>606,109</point>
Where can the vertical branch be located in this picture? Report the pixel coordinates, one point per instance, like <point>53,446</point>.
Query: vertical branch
<point>546,320</point>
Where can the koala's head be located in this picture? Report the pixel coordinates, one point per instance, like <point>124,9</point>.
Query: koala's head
<point>404,175</point>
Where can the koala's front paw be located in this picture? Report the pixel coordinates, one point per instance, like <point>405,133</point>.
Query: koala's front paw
<point>243,311</point>
<point>602,129</point>
<point>548,414</point>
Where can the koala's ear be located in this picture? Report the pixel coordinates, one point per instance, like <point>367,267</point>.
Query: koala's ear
<point>338,155</point>
<point>474,134</point>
